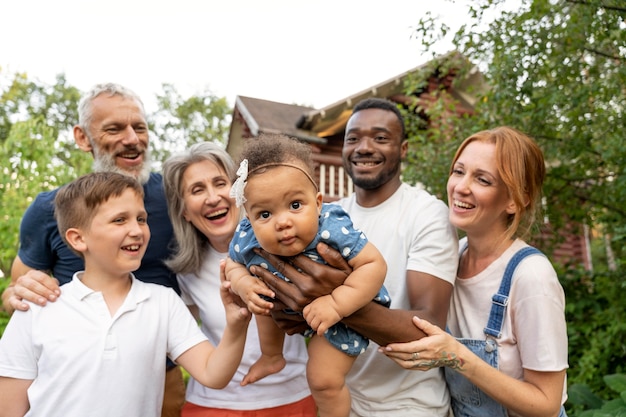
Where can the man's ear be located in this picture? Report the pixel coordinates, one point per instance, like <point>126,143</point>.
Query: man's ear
<point>81,139</point>
<point>404,149</point>
<point>75,239</point>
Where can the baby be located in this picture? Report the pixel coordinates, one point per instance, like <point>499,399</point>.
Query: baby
<point>285,216</point>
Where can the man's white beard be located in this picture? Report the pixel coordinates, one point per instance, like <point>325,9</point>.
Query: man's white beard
<point>105,162</point>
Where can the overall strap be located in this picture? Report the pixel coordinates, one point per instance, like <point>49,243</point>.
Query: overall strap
<point>501,298</point>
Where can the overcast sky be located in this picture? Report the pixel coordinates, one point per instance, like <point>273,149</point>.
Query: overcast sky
<point>293,51</point>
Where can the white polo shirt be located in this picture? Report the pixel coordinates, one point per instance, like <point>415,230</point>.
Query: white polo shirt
<point>86,363</point>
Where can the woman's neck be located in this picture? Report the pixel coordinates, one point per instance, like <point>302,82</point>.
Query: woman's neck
<point>481,252</point>
<point>220,245</point>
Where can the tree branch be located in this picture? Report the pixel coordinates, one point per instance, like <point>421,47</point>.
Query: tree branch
<point>604,54</point>
<point>602,6</point>
<point>600,203</point>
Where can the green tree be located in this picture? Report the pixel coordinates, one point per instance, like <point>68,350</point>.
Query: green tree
<point>32,152</point>
<point>180,121</point>
<point>22,99</point>
<point>35,145</point>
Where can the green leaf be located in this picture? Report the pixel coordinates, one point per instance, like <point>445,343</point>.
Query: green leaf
<point>613,406</point>
<point>617,382</point>
<point>579,394</point>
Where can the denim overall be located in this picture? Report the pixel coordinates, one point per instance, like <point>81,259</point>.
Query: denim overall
<point>467,399</point>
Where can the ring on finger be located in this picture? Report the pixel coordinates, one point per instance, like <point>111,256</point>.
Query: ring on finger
<point>415,356</point>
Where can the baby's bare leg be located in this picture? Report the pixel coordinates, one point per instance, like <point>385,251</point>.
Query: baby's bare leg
<point>326,372</point>
<point>272,360</point>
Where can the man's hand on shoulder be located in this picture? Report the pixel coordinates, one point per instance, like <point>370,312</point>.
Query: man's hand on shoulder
<point>31,285</point>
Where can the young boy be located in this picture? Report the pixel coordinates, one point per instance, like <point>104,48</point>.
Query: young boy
<point>285,216</point>
<point>99,349</point>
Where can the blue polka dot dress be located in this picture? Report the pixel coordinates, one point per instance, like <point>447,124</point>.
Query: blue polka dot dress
<point>336,230</point>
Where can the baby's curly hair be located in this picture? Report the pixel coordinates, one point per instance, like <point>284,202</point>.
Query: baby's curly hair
<point>276,149</point>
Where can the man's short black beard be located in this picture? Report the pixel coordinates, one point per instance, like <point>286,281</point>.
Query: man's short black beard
<point>368,183</point>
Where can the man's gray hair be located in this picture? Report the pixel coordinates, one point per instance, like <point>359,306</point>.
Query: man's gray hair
<point>85,108</point>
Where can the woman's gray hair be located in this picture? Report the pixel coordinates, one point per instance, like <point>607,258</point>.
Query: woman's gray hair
<point>190,242</point>
<point>85,108</point>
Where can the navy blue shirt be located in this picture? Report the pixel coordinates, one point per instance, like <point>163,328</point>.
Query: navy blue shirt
<point>41,246</point>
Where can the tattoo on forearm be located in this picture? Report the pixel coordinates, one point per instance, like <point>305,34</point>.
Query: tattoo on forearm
<point>452,361</point>
<point>447,359</point>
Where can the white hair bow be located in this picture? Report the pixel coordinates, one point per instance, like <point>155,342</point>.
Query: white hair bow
<point>236,191</point>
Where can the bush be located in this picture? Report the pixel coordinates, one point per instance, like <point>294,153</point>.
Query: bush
<point>596,321</point>
<point>582,398</point>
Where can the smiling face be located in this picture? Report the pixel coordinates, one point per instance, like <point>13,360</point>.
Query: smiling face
<point>117,238</point>
<point>373,149</point>
<point>207,204</point>
<point>283,207</point>
<point>117,136</point>
<point>478,199</point>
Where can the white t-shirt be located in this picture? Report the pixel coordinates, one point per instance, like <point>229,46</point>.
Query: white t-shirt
<point>412,231</point>
<point>86,363</point>
<point>534,332</point>
<point>286,387</point>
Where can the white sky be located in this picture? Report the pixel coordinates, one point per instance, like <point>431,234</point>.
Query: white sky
<point>311,52</point>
